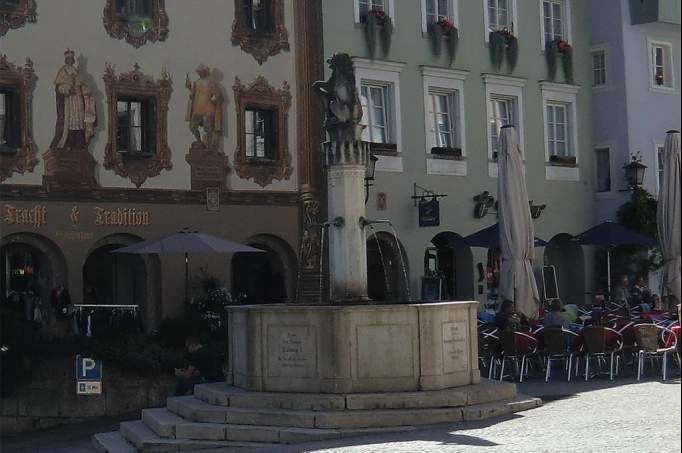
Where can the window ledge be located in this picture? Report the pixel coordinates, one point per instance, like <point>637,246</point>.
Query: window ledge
<point>130,155</point>
<point>446,157</point>
<point>560,164</point>
<point>662,90</point>
<point>384,149</point>
<point>261,161</point>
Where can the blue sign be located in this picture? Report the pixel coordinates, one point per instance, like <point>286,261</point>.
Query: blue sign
<point>88,369</point>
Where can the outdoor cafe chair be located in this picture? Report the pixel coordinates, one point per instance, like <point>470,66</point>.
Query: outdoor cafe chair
<point>651,344</point>
<point>601,343</point>
<point>558,345</point>
<point>488,349</point>
<point>517,346</point>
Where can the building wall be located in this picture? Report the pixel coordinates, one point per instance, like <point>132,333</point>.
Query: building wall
<point>199,32</point>
<point>569,203</point>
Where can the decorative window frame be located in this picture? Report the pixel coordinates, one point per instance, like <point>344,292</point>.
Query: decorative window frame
<point>390,10</point>
<point>611,146</point>
<point>449,81</point>
<point>120,29</point>
<point>260,93</point>
<point>260,45</point>
<point>515,20</point>
<point>504,86</point>
<point>454,8</point>
<point>608,85</point>
<point>387,73</point>
<point>650,43</point>
<point>567,23</point>
<point>23,80</point>
<point>25,12</point>
<point>564,94</point>
<point>137,84</point>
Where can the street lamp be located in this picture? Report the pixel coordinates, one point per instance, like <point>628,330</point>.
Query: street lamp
<point>369,176</point>
<point>634,173</point>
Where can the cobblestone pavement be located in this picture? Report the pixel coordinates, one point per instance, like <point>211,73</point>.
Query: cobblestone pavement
<point>598,416</point>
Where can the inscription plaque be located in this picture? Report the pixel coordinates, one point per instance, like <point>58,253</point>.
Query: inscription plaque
<point>455,347</point>
<point>292,351</point>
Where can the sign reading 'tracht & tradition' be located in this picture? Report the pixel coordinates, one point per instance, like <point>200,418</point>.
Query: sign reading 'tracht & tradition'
<point>121,217</point>
<point>35,216</point>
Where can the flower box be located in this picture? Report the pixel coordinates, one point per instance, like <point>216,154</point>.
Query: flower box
<point>445,151</point>
<point>563,160</point>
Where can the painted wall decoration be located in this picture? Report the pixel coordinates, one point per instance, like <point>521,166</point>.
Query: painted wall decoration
<point>258,28</point>
<point>68,164</point>
<point>136,21</point>
<point>16,13</point>
<point>17,148</point>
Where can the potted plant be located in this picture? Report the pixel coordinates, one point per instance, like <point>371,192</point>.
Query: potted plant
<point>562,160</point>
<point>444,28</point>
<point>502,43</point>
<point>558,48</point>
<point>659,78</point>
<point>378,22</point>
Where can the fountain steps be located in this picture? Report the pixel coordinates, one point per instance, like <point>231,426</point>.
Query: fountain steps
<point>223,416</point>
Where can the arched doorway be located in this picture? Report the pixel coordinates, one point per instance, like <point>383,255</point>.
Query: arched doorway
<point>449,259</point>
<point>567,257</point>
<point>30,262</point>
<point>264,278</point>
<point>387,268</point>
<point>123,279</point>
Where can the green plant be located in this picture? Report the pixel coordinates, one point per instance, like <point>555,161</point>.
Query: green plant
<point>436,38</point>
<point>496,44</point>
<point>386,34</point>
<point>554,50</point>
<point>377,21</point>
<point>502,43</point>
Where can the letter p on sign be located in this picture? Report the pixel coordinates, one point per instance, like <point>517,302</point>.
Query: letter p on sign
<point>88,369</point>
<point>88,365</point>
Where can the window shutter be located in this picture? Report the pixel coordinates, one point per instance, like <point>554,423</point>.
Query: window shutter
<point>149,125</point>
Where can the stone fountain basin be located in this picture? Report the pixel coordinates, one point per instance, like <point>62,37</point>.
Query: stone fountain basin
<point>353,348</point>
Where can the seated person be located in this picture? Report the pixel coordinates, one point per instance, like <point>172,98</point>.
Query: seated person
<point>556,317</point>
<point>621,292</point>
<point>201,367</point>
<point>507,318</point>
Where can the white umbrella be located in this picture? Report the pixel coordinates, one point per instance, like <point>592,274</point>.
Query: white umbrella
<point>517,281</point>
<point>668,217</point>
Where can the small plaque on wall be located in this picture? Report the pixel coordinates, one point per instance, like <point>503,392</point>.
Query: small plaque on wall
<point>213,199</point>
<point>429,213</point>
<point>382,201</point>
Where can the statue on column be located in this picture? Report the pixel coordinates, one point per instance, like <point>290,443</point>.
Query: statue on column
<point>76,111</point>
<point>205,107</point>
<point>68,164</point>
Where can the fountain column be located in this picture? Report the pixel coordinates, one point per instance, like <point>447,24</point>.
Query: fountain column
<point>346,163</point>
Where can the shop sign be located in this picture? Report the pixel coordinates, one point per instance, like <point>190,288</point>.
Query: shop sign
<point>35,216</point>
<point>121,217</point>
<point>429,212</point>
<point>88,376</point>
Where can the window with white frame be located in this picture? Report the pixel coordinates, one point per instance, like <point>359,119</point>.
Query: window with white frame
<point>500,14</point>
<point>363,7</point>
<point>661,65</point>
<point>599,68</point>
<point>660,165</point>
<point>603,160</point>
<point>553,19</point>
<point>376,112</point>
<point>502,112</point>
<point>437,10</point>
<point>442,126</point>
<point>561,136</point>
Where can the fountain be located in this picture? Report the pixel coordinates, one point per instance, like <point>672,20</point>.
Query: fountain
<point>351,344</point>
<point>348,366</point>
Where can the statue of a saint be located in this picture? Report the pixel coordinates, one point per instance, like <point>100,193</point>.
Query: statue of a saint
<point>76,112</point>
<point>205,107</point>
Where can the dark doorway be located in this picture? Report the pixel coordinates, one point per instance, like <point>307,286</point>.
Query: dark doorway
<point>258,278</point>
<point>114,279</point>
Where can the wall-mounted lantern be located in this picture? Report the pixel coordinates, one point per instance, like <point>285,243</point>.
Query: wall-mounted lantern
<point>634,173</point>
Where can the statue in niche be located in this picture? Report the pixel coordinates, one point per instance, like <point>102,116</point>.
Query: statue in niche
<point>76,111</point>
<point>204,108</point>
<point>340,94</point>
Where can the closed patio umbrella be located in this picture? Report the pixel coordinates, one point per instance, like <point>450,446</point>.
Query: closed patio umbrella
<point>187,241</point>
<point>517,281</point>
<point>668,217</point>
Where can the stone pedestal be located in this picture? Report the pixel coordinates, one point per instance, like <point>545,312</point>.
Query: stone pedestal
<point>69,169</point>
<point>209,167</point>
<point>353,349</point>
<point>346,170</point>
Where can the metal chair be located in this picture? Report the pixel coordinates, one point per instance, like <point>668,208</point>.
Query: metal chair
<point>488,349</point>
<point>558,345</point>
<point>651,341</point>
<point>600,343</point>
<point>515,346</point>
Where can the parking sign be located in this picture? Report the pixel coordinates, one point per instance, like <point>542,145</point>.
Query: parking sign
<point>88,376</point>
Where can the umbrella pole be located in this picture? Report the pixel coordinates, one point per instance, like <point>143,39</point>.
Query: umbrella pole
<point>608,271</point>
<point>186,278</point>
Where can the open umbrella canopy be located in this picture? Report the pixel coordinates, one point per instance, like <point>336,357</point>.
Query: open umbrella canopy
<point>489,238</point>
<point>611,234</point>
<point>187,241</point>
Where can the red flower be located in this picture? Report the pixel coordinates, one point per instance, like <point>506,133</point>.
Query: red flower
<point>446,25</point>
<point>379,13</point>
<point>563,46</point>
